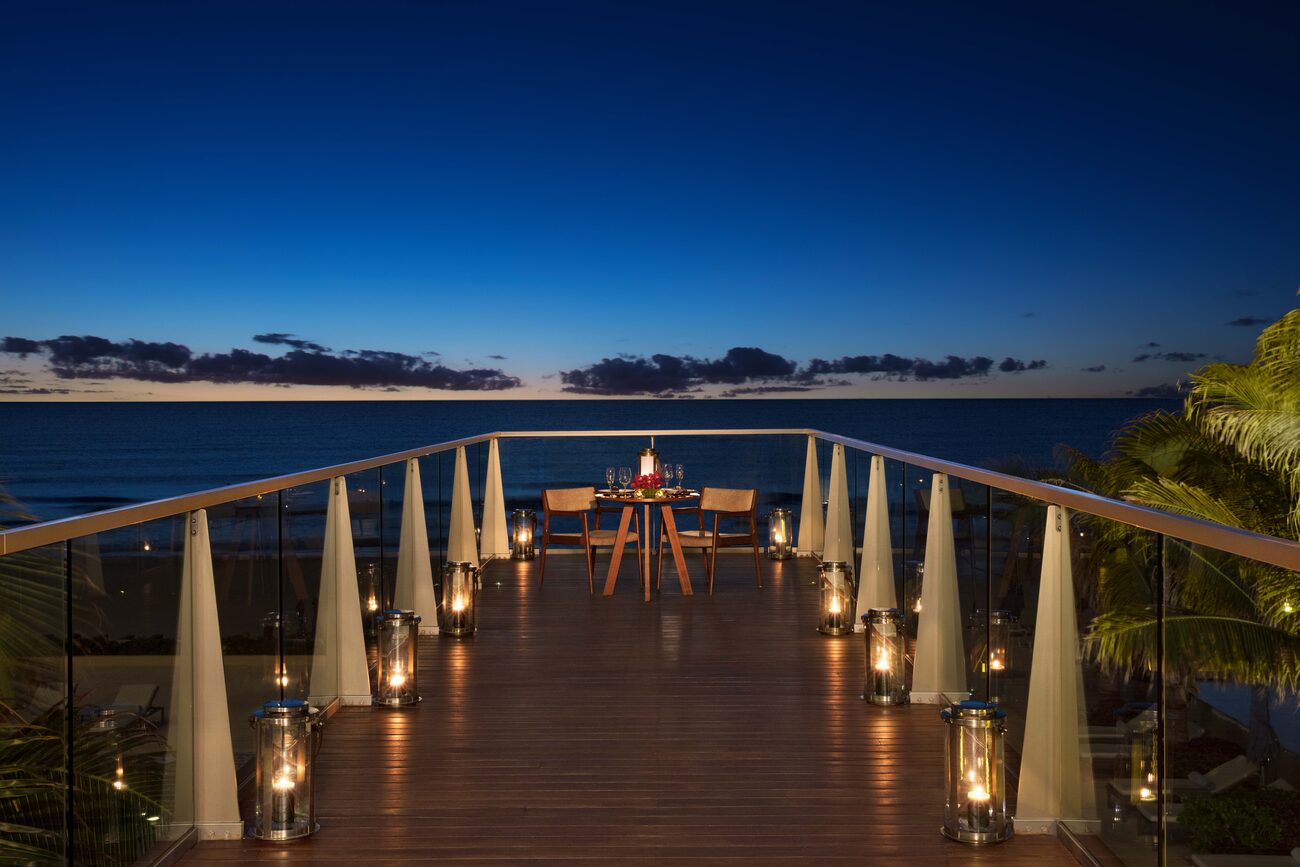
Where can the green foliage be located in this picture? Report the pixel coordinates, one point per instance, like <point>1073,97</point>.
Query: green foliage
<point>1243,822</point>
<point>1232,456</point>
<point>114,820</point>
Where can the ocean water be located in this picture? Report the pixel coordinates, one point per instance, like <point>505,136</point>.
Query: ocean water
<point>62,459</point>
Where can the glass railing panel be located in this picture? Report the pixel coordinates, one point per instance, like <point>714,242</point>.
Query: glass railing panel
<point>392,486</point>
<point>245,540</point>
<point>915,493</point>
<point>1115,584</point>
<point>33,703</point>
<point>1231,761</point>
<point>303,516</point>
<point>369,536</point>
<point>986,653</point>
<point>130,738</point>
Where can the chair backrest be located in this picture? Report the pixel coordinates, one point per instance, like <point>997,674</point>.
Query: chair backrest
<point>728,499</point>
<point>569,499</point>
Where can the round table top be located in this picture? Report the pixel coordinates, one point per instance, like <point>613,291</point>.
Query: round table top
<point>669,495</point>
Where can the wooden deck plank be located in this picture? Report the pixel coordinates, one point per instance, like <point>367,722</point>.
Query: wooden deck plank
<point>580,729</point>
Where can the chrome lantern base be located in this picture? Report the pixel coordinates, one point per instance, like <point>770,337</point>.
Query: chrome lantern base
<point>396,701</point>
<point>978,837</point>
<point>290,831</point>
<point>829,628</point>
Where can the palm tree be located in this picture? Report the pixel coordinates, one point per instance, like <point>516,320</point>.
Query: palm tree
<point>1232,456</point>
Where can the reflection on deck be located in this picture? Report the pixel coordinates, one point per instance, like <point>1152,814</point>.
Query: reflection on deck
<point>582,729</point>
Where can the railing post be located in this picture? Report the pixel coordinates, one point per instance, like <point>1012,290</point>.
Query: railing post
<point>461,546</point>
<point>839,526</point>
<point>414,589</point>
<point>496,541</point>
<point>940,671</point>
<point>1055,779</point>
<point>876,575</point>
<point>198,734</point>
<point>811,534</point>
<point>338,665</point>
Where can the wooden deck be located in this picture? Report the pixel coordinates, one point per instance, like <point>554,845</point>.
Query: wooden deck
<point>578,729</point>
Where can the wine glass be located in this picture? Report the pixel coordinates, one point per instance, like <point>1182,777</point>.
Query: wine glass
<point>609,477</point>
<point>624,477</point>
<point>681,474</point>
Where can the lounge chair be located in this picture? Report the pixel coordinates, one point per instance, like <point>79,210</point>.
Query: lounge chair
<point>138,699</point>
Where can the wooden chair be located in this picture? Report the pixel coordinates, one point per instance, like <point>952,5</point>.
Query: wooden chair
<point>576,503</point>
<point>724,503</point>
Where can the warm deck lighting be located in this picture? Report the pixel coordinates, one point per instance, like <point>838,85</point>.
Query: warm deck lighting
<point>119,775</point>
<point>976,810</point>
<point>780,532</point>
<point>398,642</point>
<point>525,525</point>
<point>836,615</point>
<point>459,613</point>
<point>287,732</point>
<point>1000,657</point>
<point>887,678</point>
<point>1143,757</point>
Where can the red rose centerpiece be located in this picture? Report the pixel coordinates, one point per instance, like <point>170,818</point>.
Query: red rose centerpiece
<point>648,485</point>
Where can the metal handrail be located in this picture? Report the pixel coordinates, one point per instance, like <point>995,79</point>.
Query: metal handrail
<point>1284,553</point>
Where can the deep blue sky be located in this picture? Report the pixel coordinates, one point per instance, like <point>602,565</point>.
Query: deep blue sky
<point>562,182</point>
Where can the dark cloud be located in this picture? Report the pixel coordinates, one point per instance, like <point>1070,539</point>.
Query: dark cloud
<point>280,338</point>
<point>1152,345</point>
<point>670,374</point>
<point>766,389</point>
<point>889,366</point>
<point>497,357</point>
<point>1029,314</point>
<point>1164,390</point>
<point>99,358</point>
<point>20,346</point>
<point>35,390</point>
<point>627,374</point>
<point>1249,321</point>
<point>1015,365</point>
<point>1096,368</point>
<point>1181,357</point>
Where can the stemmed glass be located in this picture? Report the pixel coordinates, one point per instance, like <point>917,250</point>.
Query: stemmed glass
<point>609,477</point>
<point>624,477</point>
<point>681,474</point>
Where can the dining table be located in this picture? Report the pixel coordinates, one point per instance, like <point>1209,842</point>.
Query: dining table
<point>664,503</point>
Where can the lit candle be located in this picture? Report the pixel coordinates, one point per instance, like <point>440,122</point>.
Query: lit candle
<point>282,800</point>
<point>119,781</point>
<point>977,808</point>
<point>397,679</point>
<point>883,672</point>
<point>372,604</point>
<point>996,664</point>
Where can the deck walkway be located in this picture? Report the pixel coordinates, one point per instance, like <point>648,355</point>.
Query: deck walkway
<point>577,729</point>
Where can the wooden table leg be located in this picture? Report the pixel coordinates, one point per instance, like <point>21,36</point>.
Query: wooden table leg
<point>645,550</point>
<point>670,525</point>
<point>619,541</point>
